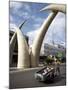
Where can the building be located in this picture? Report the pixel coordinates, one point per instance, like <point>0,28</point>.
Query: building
<point>15,53</point>
<point>52,49</point>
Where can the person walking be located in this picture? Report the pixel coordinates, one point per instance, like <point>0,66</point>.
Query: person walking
<point>57,67</point>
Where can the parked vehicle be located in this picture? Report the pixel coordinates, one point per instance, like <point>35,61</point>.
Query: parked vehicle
<point>47,73</point>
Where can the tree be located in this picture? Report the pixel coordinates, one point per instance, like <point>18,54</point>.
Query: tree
<point>59,55</point>
<point>49,60</point>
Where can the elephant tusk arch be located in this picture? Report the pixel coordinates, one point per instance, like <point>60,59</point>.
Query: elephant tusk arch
<point>12,45</point>
<point>55,7</point>
<point>23,51</point>
<point>39,39</point>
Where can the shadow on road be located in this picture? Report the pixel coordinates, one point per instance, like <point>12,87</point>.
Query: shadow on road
<point>55,80</point>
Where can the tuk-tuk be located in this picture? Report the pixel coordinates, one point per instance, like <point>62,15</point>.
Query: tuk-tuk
<point>46,73</point>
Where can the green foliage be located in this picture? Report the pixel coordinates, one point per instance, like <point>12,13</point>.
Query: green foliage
<point>49,60</point>
<point>59,55</point>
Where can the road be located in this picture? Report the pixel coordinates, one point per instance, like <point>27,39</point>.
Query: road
<point>25,79</point>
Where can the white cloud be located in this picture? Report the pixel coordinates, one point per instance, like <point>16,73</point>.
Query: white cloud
<point>11,19</point>
<point>25,15</point>
<point>36,25</point>
<point>37,21</point>
<point>27,7</point>
<point>32,36</point>
<point>12,26</point>
<point>15,5</point>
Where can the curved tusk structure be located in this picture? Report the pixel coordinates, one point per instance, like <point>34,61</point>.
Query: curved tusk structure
<point>23,51</point>
<point>22,48</point>
<point>39,39</point>
<point>55,7</point>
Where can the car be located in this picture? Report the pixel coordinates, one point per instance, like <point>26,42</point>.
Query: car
<point>45,74</point>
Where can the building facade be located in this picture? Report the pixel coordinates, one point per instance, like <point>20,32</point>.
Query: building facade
<point>52,50</point>
<point>15,53</point>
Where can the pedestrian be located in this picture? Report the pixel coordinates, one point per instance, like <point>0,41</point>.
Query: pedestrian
<point>57,67</point>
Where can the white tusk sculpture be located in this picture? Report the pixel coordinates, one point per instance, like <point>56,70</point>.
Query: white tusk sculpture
<point>39,39</point>
<point>55,7</point>
<point>23,51</point>
<point>42,31</point>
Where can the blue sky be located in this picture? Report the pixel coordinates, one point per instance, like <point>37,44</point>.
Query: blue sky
<point>20,11</point>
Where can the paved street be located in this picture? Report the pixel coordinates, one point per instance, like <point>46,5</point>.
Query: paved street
<point>25,79</point>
